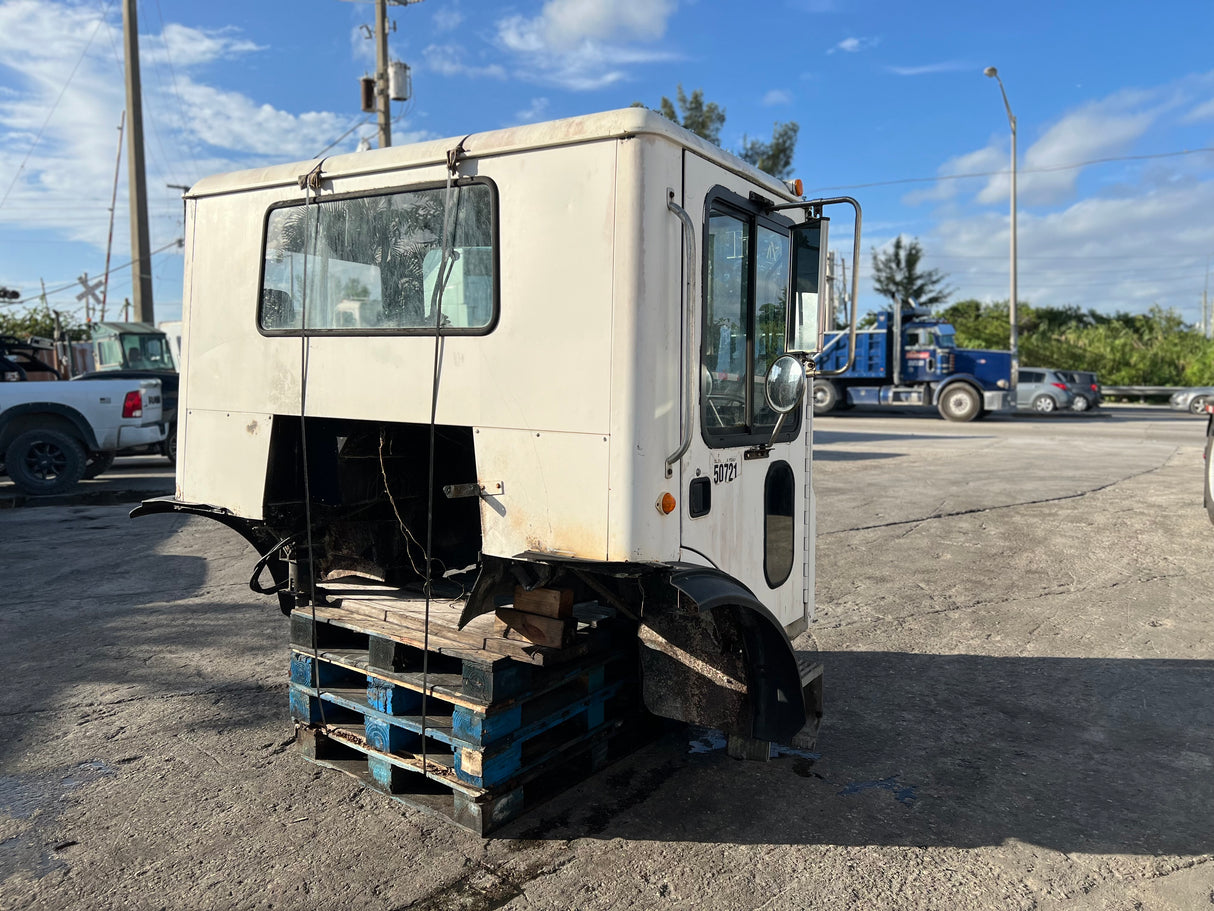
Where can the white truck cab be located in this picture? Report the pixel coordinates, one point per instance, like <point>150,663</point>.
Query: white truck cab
<point>540,355</point>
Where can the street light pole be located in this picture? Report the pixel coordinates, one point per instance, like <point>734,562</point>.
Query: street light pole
<point>1015,338</point>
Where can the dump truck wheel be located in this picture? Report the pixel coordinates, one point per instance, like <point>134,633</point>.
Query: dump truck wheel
<point>826,396</point>
<point>959,402</point>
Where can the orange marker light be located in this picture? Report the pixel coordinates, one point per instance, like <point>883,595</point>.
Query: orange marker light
<point>798,187</point>
<point>666,504</point>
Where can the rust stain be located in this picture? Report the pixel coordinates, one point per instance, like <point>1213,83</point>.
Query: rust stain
<point>252,428</point>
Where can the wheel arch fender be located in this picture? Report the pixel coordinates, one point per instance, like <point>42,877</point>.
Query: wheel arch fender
<point>32,415</point>
<point>771,705</point>
<point>952,380</point>
<point>267,545</point>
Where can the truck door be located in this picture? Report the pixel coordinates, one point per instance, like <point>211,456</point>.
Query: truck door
<point>745,501</point>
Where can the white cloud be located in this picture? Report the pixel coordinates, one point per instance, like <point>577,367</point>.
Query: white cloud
<point>1120,235</point>
<point>777,97</point>
<point>447,20</point>
<point>982,161</point>
<point>1203,111</point>
<point>60,187</point>
<point>185,46</point>
<point>1097,130</point>
<point>450,60</point>
<point>362,45</point>
<point>1078,256</point>
<point>565,24</point>
<point>854,45</point>
<point>537,110</point>
<point>927,69</point>
<point>583,44</point>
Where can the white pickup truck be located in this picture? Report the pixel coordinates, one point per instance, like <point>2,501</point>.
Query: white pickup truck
<point>54,433</point>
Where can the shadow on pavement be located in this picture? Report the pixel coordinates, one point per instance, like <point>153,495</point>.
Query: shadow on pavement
<point>1079,755</point>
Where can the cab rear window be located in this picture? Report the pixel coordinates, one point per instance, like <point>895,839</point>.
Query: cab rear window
<point>414,262</point>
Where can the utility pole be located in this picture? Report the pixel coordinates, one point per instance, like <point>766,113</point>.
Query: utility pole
<point>382,103</point>
<point>391,81</point>
<point>109,244</point>
<point>141,261</point>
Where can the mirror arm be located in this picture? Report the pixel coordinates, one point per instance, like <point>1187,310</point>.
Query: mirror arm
<point>815,206</point>
<point>776,432</point>
<point>688,332</point>
<point>855,280</point>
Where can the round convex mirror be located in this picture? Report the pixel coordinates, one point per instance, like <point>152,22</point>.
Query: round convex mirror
<point>785,384</point>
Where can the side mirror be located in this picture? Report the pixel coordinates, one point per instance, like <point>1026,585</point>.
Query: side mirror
<point>807,291</point>
<point>785,384</point>
<point>784,388</point>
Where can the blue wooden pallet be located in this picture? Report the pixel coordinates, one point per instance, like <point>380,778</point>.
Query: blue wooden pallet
<point>482,745</point>
<point>481,810</point>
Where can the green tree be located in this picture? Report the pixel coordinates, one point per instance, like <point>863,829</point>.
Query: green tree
<point>774,157</point>
<point>706,119</point>
<point>1156,348</point>
<point>694,114</point>
<point>898,276</point>
<point>39,320</point>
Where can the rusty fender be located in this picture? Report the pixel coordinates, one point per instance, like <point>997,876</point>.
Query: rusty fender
<point>716,656</point>
<point>256,533</point>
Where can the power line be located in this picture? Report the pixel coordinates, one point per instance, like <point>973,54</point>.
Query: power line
<point>177,92</point>
<point>54,107</point>
<point>1041,170</point>
<point>33,297</point>
<point>343,135</point>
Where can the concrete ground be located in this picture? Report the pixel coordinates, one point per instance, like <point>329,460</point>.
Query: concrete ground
<point>1015,621</point>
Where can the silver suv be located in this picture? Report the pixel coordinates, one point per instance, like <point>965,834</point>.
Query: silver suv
<point>1043,390</point>
<point>1084,386</point>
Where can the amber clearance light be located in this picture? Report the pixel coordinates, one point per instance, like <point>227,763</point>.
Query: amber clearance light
<point>666,504</point>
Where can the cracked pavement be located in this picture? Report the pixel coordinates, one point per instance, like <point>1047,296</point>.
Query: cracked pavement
<point>1014,619</point>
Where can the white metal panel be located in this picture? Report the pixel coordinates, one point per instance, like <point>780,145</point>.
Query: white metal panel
<point>555,492</point>
<point>645,368</point>
<point>225,452</point>
<point>731,535</point>
<point>546,364</point>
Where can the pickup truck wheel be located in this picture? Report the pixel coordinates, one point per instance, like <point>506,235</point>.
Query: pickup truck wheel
<point>45,462</point>
<point>959,402</point>
<point>169,447</point>
<point>98,464</point>
<point>826,396</point>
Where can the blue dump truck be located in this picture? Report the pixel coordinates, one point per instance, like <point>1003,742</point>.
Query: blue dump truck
<point>911,358</point>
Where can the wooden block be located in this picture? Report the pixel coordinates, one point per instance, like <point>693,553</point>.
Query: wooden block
<point>392,700</point>
<point>482,729</point>
<point>547,602</point>
<point>539,630</point>
<point>495,682</point>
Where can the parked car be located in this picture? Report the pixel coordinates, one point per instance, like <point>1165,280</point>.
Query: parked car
<point>1043,390</point>
<point>170,380</point>
<point>1084,386</point>
<point>55,433</point>
<point>1192,400</point>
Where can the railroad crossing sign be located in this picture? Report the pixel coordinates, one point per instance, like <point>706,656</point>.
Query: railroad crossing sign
<point>89,295</point>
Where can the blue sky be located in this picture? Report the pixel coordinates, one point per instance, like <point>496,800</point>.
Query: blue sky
<point>1114,101</point>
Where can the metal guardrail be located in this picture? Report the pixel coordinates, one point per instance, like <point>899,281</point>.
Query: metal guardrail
<point>1141,390</point>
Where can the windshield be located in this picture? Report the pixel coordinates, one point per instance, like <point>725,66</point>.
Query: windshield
<point>147,351</point>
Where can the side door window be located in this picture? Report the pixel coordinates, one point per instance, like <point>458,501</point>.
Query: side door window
<point>746,262</point>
